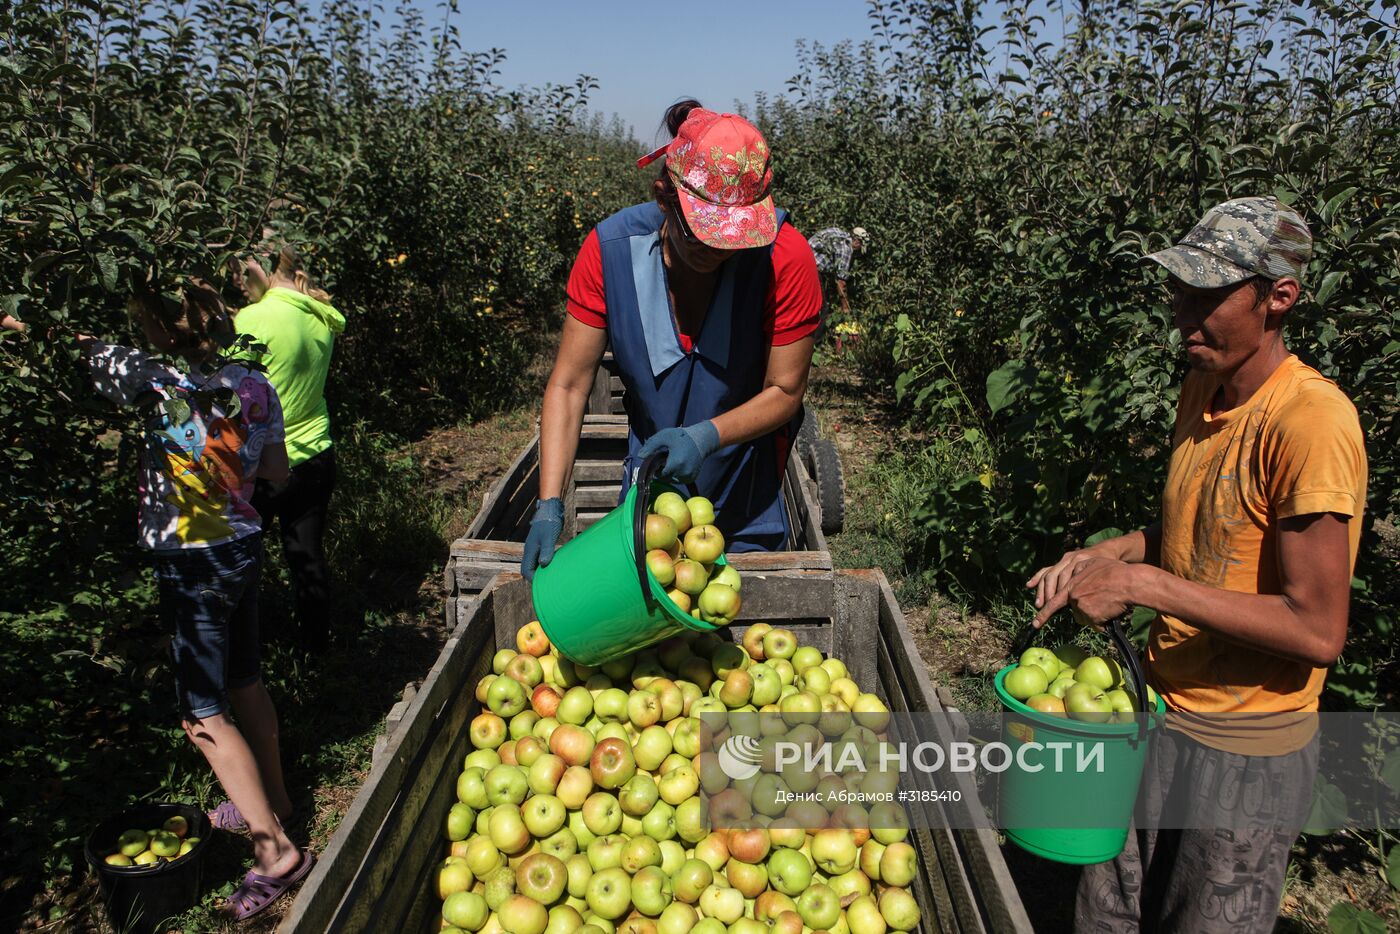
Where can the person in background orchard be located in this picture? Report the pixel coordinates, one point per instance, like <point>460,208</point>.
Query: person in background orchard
<point>1249,570</point>
<point>834,249</point>
<point>210,430</point>
<point>708,298</point>
<point>297,323</point>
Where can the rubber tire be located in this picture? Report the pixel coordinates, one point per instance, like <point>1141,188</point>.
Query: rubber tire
<point>807,436</point>
<point>831,487</point>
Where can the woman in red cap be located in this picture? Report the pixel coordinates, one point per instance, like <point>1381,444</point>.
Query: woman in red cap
<point>709,299</point>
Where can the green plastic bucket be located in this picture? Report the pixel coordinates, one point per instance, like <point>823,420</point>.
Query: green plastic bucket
<point>596,599</point>
<point>1062,812</point>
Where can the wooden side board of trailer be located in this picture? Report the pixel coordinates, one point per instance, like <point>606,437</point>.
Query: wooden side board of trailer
<point>377,873</point>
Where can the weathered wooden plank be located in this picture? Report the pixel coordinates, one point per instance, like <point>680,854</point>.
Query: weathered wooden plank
<point>342,865</point>
<point>503,491</point>
<point>485,549</point>
<point>762,562</point>
<point>598,471</point>
<point>603,419</point>
<point>594,498</point>
<point>600,396</point>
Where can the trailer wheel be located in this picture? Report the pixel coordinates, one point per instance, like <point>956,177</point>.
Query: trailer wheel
<point>807,436</point>
<point>831,487</point>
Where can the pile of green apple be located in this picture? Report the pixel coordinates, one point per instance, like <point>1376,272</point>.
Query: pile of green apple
<point>1067,680</point>
<point>579,807</point>
<point>163,844</point>
<point>683,548</point>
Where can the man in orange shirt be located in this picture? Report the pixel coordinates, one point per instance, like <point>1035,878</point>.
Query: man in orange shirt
<point>1249,570</point>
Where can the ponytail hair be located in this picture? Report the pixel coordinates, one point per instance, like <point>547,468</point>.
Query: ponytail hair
<point>288,265</point>
<point>671,122</point>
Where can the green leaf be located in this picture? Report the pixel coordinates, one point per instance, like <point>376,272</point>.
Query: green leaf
<point>1346,918</point>
<point>1006,383</point>
<point>177,410</point>
<point>107,270</point>
<point>1336,201</point>
<point>1329,809</point>
<point>1102,535</point>
<point>1328,286</point>
<point>1390,770</point>
<point>1392,866</point>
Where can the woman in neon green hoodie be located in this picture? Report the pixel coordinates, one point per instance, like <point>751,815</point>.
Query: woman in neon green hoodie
<point>297,323</point>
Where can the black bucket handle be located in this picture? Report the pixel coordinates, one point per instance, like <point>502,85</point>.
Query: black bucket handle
<point>641,482</point>
<point>1130,658</point>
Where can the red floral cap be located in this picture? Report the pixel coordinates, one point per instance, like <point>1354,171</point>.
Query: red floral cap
<point>722,171</point>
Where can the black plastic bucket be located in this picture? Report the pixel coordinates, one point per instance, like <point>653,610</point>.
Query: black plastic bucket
<point>139,898</point>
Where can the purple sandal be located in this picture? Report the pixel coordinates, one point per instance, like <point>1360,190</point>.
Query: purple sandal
<point>227,817</point>
<point>258,891</point>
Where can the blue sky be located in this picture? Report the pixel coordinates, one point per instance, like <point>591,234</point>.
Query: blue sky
<point>642,60</point>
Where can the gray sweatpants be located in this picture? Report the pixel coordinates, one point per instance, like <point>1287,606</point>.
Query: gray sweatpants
<point>1224,871</point>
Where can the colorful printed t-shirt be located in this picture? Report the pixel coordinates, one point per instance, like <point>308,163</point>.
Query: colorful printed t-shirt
<point>832,247</point>
<point>792,308</point>
<point>196,477</point>
<point>1294,448</point>
<point>299,333</point>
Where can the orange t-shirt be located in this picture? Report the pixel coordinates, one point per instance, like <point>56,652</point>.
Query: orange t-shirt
<point>1294,448</point>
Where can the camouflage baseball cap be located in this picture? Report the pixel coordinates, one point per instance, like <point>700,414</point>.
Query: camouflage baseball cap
<point>1239,239</point>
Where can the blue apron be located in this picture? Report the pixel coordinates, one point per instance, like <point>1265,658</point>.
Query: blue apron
<point>665,387</point>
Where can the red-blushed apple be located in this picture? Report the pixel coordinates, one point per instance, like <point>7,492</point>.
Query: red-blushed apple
<point>870,855</point>
<point>680,598</point>
<point>673,507</point>
<point>691,578</point>
<point>1046,703</point>
<point>541,877</point>
<point>575,785</point>
<point>661,566</point>
<point>749,878</point>
<point>526,669</point>
<point>523,915</point>
<point>571,743</point>
<point>704,544</point>
<point>660,533</point>
<point>531,639</point>
<point>612,764</point>
<point>545,700</point>
<point>747,841</point>
<point>752,640</point>
<point>528,749</point>
<point>544,774</point>
<point>672,700</point>
<point>713,850</point>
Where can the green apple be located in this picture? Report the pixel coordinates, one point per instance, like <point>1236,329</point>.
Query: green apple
<point>719,604</point>
<point>507,829</point>
<point>602,814</point>
<point>691,880</point>
<point>609,893</point>
<point>132,842</point>
<point>579,872</point>
<point>117,859</point>
<point>1123,701</point>
<point>1087,702</point>
<point>779,643</point>
<point>729,578</point>
<point>506,784</point>
<point>1096,672</point>
<point>639,852</point>
<point>454,875</point>
<point>1042,658</point>
<point>541,877</point>
<point>638,795</point>
<point>487,731</point>
<point>460,818</point>
<point>819,907</point>
<point>660,822</point>
<point>678,918</point>
<point>564,919</point>
<point>498,887</point>
<point>527,670</point>
<point>898,864</point>
<point>651,890</point>
<point>652,747</point>
<point>1069,655</point>
<point>561,844</point>
<point>176,824</point>
<point>575,707</point>
<point>1025,680</point>
<point>673,507</point>
<point>767,686</point>
<point>523,915</point>
<point>802,707</point>
<point>506,697</point>
<point>703,543</point>
<point>863,916</point>
<point>678,784</point>
<point>806,656</point>
<point>659,532</point>
<point>188,844</point>
<point>789,871</point>
<point>575,785</point>
<point>466,910</point>
<point>899,909</point>
<point>724,904</point>
<point>501,659</point>
<point>165,844</point>
<point>483,858</point>
<point>1058,688</point>
<point>687,737</point>
<point>691,820</point>
<point>643,709</point>
<point>702,511</point>
<point>606,852</point>
<point>523,724</point>
<point>834,850</point>
<point>543,815</point>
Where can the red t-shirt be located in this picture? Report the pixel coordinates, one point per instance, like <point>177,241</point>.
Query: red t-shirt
<point>791,310</point>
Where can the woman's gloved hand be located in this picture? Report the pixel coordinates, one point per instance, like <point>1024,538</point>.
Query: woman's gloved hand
<point>686,449</point>
<point>543,538</point>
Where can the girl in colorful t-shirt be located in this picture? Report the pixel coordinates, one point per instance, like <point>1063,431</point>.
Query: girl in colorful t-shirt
<point>210,429</point>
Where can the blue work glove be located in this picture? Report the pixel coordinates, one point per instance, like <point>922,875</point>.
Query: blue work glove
<point>686,449</point>
<point>545,530</point>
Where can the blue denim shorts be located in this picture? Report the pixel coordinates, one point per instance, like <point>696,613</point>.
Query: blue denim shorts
<point>209,597</point>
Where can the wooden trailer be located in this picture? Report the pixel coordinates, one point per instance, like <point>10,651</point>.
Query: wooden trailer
<point>378,872</point>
